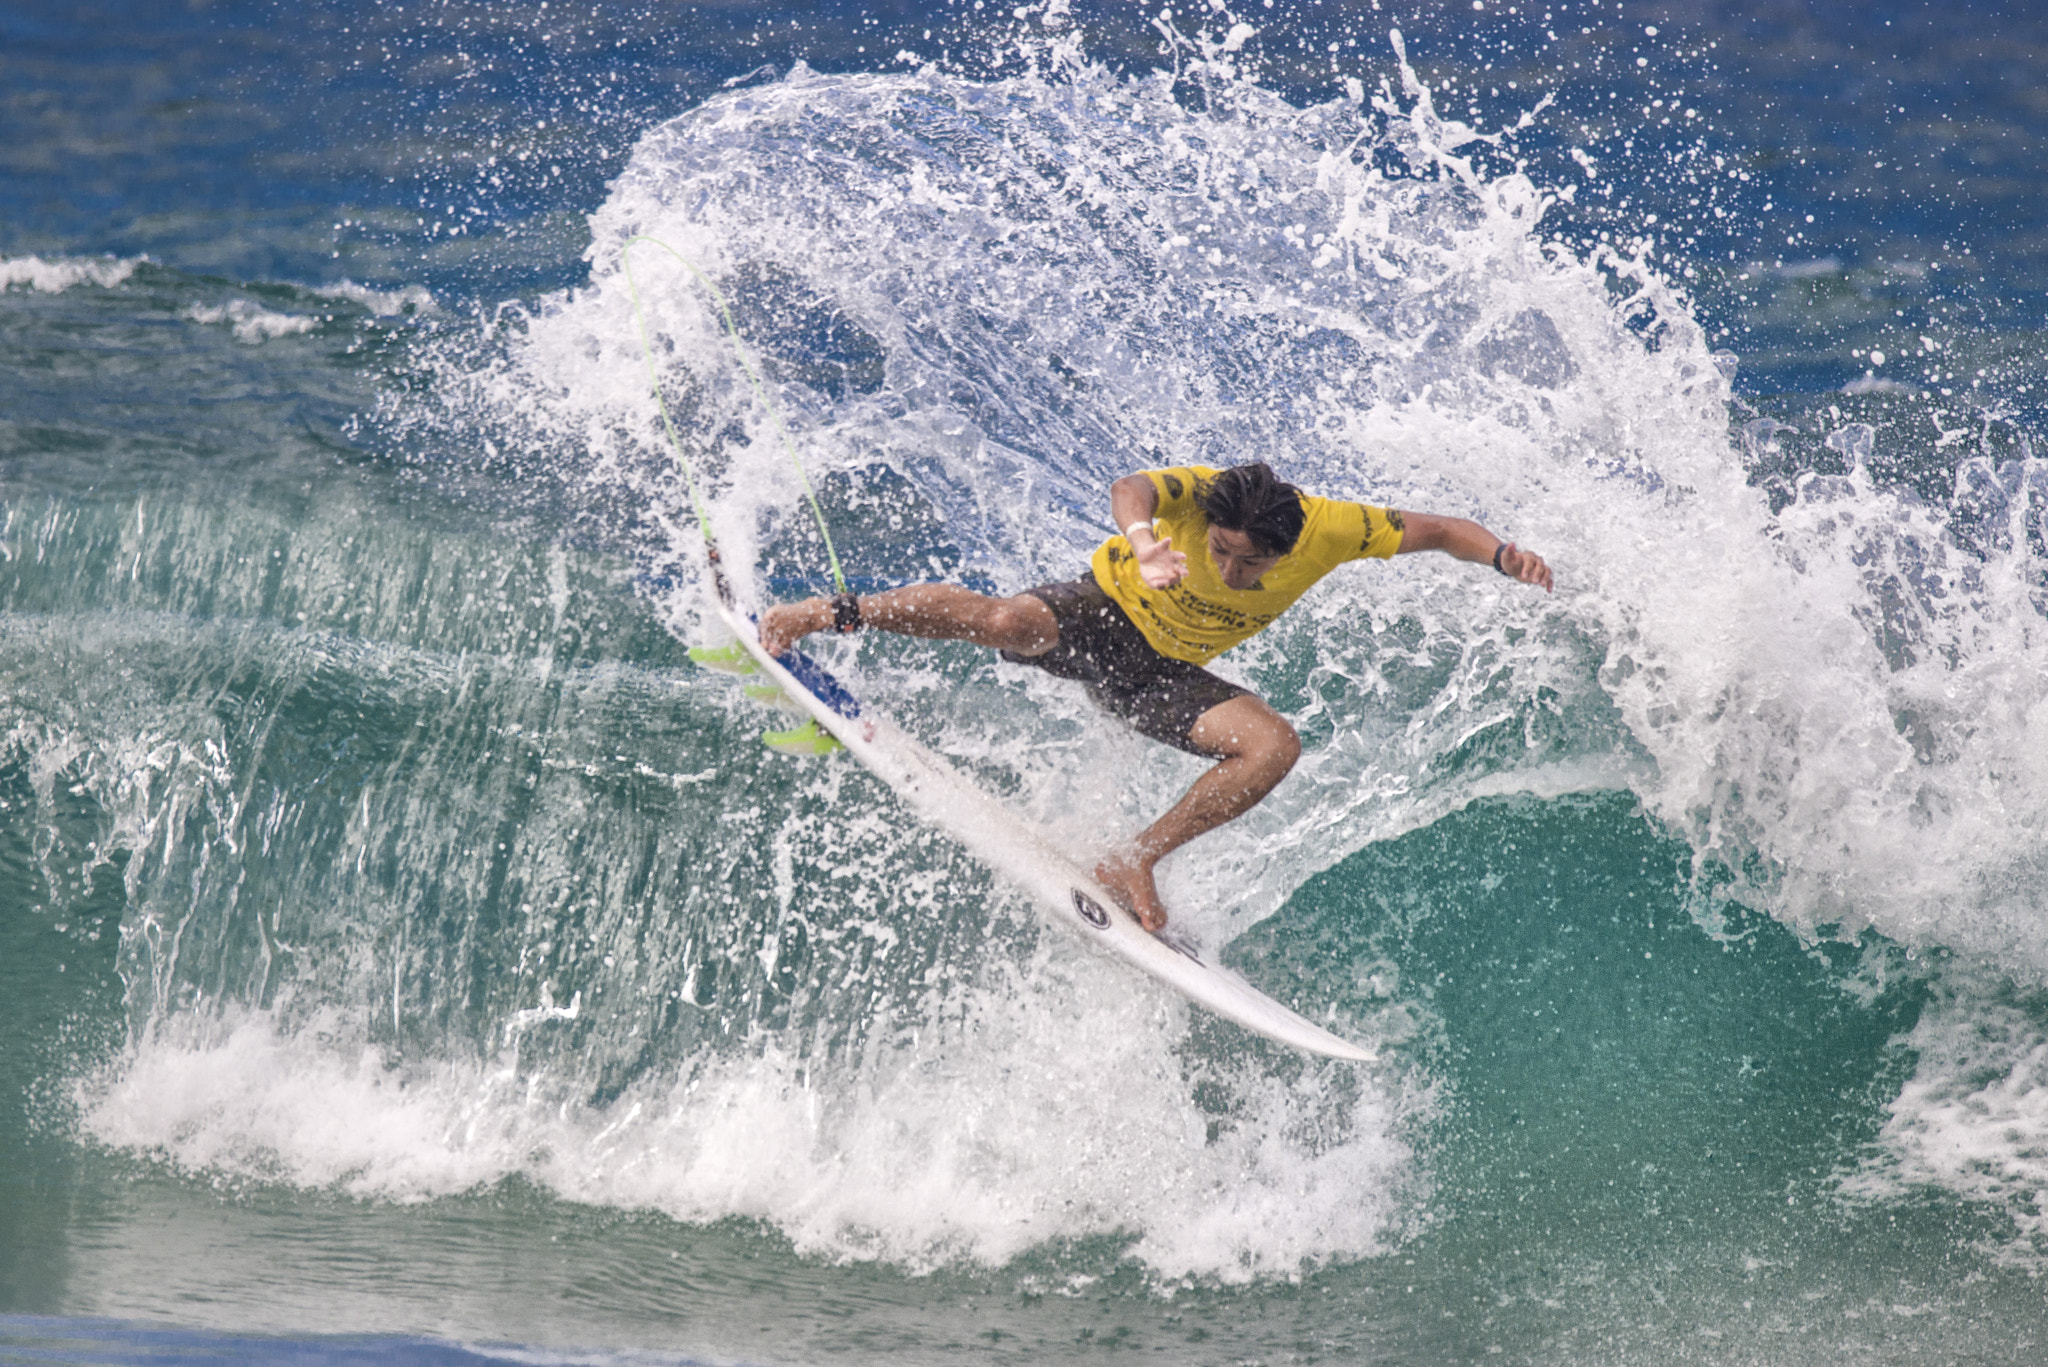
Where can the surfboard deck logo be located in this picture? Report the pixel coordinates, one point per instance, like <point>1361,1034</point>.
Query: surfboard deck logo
<point>1091,910</point>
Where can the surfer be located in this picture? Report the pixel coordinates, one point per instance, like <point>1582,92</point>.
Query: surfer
<point>1206,559</point>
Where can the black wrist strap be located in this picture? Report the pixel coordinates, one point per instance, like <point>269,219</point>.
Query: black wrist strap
<point>1498,551</point>
<point>846,613</point>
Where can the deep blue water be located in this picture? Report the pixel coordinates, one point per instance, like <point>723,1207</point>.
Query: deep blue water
<point>410,956</point>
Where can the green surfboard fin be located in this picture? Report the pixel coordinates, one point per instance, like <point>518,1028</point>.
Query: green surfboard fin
<point>768,695</point>
<point>808,739</point>
<point>730,658</point>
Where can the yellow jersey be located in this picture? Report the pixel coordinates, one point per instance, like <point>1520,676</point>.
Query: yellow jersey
<point>1199,618</point>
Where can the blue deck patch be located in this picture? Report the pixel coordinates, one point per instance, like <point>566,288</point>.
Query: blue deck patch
<point>820,684</point>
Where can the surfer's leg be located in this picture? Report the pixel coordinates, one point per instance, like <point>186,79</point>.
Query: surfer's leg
<point>1255,747</point>
<point>1022,625</point>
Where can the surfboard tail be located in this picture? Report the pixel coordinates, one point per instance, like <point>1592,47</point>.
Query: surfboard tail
<point>807,740</point>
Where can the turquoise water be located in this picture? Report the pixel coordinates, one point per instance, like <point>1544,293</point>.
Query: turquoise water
<point>411,956</point>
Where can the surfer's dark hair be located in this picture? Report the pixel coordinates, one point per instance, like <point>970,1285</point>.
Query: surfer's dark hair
<point>1253,500</point>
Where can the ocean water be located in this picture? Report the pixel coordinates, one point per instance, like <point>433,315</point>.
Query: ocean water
<point>410,956</point>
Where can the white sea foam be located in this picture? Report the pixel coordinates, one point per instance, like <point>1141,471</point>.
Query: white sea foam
<point>1058,1115</point>
<point>410,299</point>
<point>60,273</point>
<point>252,322</point>
<point>1868,383</point>
<point>1973,1118</point>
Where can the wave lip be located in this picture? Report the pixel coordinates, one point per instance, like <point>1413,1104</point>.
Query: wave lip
<point>409,300</point>
<point>57,274</point>
<point>252,322</point>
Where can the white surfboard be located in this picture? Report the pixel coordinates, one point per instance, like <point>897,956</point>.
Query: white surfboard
<point>1063,890</point>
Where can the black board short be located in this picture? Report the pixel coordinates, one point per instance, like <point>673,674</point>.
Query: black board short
<point>1153,694</point>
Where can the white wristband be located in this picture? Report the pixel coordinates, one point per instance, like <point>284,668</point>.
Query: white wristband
<point>1135,526</point>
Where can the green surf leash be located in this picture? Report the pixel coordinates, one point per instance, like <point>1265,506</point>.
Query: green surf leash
<point>808,739</point>
<point>739,349</point>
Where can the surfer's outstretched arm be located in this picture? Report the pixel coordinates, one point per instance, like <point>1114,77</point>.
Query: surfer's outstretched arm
<point>1463,539</point>
<point>937,612</point>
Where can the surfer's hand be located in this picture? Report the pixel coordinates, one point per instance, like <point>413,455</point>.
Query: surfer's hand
<point>783,625</point>
<point>1160,565</point>
<point>1526,566</point>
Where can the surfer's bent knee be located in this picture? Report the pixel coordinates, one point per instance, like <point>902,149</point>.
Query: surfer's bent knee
<point>1277,744</point>
<point>1247,727</point>
<point>1288,751</point>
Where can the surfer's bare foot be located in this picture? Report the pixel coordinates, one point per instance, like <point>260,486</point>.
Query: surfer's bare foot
<point>783,625</point>
<point>1130,882</point>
